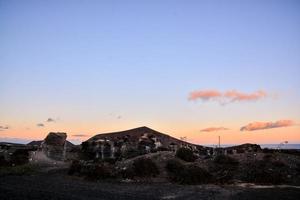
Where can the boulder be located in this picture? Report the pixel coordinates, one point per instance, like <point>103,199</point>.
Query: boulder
<point>55,145</point>
<point>56,139</point>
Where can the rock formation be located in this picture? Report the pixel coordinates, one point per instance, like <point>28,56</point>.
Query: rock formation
<point>55,145</point>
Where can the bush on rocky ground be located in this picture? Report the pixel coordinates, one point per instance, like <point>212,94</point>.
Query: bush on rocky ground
<point>75,167</point>
<point>100,171</point>
<point>92,170</point>
<point>174,166</point>
<point>3,162</point>
<point>224,160</point>
<point>145,167</point>
<point>262,172</point>
<point>187,174</point>
<point>19,157</point>
<point>223,168</point>
<point>186,154</point>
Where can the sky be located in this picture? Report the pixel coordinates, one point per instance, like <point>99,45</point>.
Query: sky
<point>199,69</point>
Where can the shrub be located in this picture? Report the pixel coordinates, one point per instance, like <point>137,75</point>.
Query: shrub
<point>100,171</point>
<point>263,172</point>
<point>75,167</point>
<point>223,168</point>
<point>186,154</point>
<point>190,174</point>
<point>19,157</point>
<point>194,174</point>
<point>127,172</point>
<point>174,166</point>
<point>268,157</point>
<point>225,160</point>
<point>145,167</point>
<point>3,162</point>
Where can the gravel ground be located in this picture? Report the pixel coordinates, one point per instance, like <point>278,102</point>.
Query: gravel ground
<point>56,185</point>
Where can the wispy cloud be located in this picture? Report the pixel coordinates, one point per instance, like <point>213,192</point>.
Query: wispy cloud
<point>227,96</point>
<point>234,95</point>
<point>267,125</point>
<point>51,120</point>
<point>214,129</point>
<point>205,95</point>
<point>3,128</point>
<point>40,125</point>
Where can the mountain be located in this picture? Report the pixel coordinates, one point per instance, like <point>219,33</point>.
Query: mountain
<point>133,142</point>
<point>136,135</point>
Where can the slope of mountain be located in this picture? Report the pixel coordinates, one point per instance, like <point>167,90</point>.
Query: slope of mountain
<point>139,134</point>
<point>133,142</point>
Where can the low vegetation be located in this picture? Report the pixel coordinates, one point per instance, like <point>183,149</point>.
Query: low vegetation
<point>187,174</point>
<point>92,171</point>
<point>145,167</point>
<point>186,154</point>
<point>223,168</point>
<point>269,170</point>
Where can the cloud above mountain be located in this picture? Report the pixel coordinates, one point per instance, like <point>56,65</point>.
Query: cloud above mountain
<point>3,128</point>
<point>254,126</point>
<point>214,129</point>
<point>40,125</point>
<point>226,96</point>
<point>51,120</point>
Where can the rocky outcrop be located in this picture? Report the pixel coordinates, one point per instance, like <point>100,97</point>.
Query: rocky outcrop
<point>55,145</point>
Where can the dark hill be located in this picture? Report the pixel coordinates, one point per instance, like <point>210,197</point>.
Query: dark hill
<point>135,135</point>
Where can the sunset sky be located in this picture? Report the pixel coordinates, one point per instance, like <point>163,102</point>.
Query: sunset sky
<point>198,69</point>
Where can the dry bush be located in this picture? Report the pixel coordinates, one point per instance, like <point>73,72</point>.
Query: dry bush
<point>187,174</point>
<point>75,167</point>
<point>186,154</point>
<point>224,168</point>
<point>100,171</point>
<point>145,167</point>
<point>263,172</point>
<point>225,160</point>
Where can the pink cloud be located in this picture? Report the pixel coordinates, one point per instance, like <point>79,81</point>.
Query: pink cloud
<point>267,125</point>
<point>214,129</point>
<point>239,96</point>
<point>204,95</point>
<point>227,96</point>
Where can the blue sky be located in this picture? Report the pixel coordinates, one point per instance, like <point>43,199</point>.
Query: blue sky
<point>85,61</point>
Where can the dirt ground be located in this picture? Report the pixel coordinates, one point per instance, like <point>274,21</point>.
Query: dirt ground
<point>55,184</point>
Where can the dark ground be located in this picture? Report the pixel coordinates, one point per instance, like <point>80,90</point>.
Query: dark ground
<point>57,185</point>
